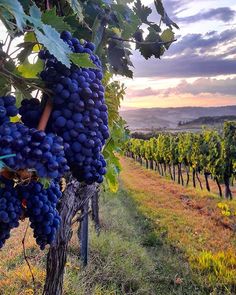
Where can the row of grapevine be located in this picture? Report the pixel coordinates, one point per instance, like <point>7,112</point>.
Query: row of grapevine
<point>58,60</point>
<point>208,153</point>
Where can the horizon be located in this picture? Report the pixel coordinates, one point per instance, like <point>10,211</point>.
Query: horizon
<point>124,109</point>
<point>199,69</point>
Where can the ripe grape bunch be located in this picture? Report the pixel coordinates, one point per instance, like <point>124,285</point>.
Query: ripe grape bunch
<point>41,209</point>
<point>79,111</point>
<point>7,108</point>
<point>73,139</point>
<point>34,154</point>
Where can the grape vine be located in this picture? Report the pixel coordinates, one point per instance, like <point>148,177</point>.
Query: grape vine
<point>208,153</point>
<point>71,126</point>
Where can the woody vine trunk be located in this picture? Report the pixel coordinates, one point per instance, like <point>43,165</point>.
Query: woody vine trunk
<point>73,199</point>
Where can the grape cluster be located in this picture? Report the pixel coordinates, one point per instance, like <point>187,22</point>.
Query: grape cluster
<point>10,209</point>
<point>34,150</point>
<point>7,108</point>
<point>31,111</point>
<point>41,209</point>
<point>79,111</point>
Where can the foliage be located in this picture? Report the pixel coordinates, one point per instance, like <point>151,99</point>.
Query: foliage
<point>111,25</point>
<point>208,152</point>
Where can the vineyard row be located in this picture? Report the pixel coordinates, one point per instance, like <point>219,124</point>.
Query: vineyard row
<point>209,153</point>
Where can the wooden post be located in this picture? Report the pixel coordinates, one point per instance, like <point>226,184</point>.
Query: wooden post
<point>83,234</point>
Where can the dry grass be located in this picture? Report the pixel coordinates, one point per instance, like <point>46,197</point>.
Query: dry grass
<point>190,219</point>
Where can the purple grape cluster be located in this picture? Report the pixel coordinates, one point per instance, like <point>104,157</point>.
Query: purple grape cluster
<point>31,111</point>
<point>33,149</point>
<point>7,108</point>
<point>41,209</point>
<point>79,110</point>
<point>10,209</point>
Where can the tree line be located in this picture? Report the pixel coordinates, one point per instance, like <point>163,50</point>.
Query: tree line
<point>208,153</point>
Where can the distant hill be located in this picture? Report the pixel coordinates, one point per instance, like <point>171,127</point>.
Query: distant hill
<point>208,120</point>
<point>168,118</point>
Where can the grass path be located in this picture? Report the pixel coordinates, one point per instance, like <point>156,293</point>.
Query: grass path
<point>191,221</point>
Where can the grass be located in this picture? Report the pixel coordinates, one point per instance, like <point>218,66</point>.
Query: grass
<point>128,257</point>
<point>157,238</point>
<point>191,220</point>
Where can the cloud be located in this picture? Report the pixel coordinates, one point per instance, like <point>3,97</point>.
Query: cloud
<point>225,87</point>
<point>194,42</point>
<point>224,14</point>
<point>206,85</point>
<point>142,92</point>
<point>195,55</point>
<point>186,66</point>
<point>175,7</point>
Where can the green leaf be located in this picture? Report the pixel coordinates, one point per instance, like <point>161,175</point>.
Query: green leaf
<point>167,36</point>
<point>164,16</point>
<point>29,70</point>
<point>98,31</point>
<point>19,97</point>
<point>15,119</point>
<point>111,178</point>
<point>159,7</point>
<point>31,37</point>
<point>118,57</point>
<point>26,51</point>
<point>45,182</point>
<point>5,87</point>
<point>142,11</point>
<point>82,60</point>
<point>49,37</point>
<point>77,8</point>
<point>16,9</point>
<point>35,16</point>
<point>51,18</point>
<point>56,46</point>
<point>152,47</point>
<point>128,20</point>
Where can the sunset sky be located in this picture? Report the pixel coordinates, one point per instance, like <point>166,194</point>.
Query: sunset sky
<point>199,69</point>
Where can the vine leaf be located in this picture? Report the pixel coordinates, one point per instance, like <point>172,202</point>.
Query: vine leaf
<point>29,70</point>
<point>28,47</point>
<point>164,16</point>
<point>77,8</point>
<point>45,182</point>
<point>166,20</point>
<point>152,48</point>
<point>142,11</point>
<point>15,8</point>
<point>82,60</point>
<point>98,30</point>
<point>30,37</point>
<point>118,56</point>
<point>48,36</point>
<point>51,18</point>
<point>49,39</point>
<point>35,16</point>
<point>167,36</point>
<point>128,20</point>
<point>4,86</point>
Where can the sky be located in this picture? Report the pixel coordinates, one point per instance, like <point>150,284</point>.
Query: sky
<point>199,69</point>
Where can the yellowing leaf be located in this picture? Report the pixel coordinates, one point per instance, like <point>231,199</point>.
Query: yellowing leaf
<point>29,70</point>
<point>15,119</point>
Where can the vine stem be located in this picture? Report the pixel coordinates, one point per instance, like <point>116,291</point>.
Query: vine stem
<point>143,43</point>
<point>45,115</point>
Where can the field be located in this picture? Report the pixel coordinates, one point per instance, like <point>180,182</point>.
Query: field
<point>157,238</point>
